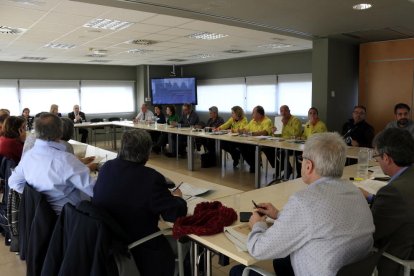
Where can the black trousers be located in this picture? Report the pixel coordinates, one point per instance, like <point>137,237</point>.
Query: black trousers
<point>84,134</point>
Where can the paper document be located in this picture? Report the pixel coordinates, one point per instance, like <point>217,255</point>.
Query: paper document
<point>190,190</point>
<point>278,125</point>
<point>376,171</point>
<point>237,234</point>
<point>369,185</point>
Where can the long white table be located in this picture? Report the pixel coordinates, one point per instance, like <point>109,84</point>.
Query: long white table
<point>257,142</point>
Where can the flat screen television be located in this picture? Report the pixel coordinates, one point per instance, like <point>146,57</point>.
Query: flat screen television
<point>174,90</point>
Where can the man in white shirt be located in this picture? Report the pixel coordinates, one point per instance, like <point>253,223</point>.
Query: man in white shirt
<point>50,170</point>
<point>145,114</point>
<point>321,228</point>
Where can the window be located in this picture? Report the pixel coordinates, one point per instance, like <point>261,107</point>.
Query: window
<point>295,90</point>
<point>261,90</point>
<point>9,96</point>
<point>223,93</point>
<point>107,96</point>
<point>39,95</point>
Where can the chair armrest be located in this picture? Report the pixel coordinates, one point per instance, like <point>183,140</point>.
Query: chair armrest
<point>405,263</point>
<point>257,269</point>
<point>147,238</point>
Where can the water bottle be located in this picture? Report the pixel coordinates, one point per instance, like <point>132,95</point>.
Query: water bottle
<point>363,160</point>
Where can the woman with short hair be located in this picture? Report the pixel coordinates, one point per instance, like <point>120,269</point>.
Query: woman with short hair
<point>14,135</point>
<point>136,196</point>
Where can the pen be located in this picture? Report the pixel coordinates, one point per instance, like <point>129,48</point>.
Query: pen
<point>356,178</point>
<point>176,188</point>
<point>255,205</point>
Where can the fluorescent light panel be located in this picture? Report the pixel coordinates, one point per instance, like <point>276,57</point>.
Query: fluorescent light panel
<point>107,24</point>
<point>139,51</point>
<point>207,36</point>
<point>202,56</point>
<point>59,46</point>
<point>362,6</point>
<point>274,46</point>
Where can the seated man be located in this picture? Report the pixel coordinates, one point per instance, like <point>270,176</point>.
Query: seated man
<point>188,118</point>
<point>402,118</point>
<point>50,170</point>
<point>393,205</point>
<point>259,125</point>
<point>322,227</point>
<point>292,127</point>
<point>144,115</point>
<point>78,117</point>
<point>357,132</point>
<point>138,205</point>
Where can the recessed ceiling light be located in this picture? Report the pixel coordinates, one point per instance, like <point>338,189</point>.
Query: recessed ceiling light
<point>207,36</point>
<point>274,46</point>
<point>234,51</point>
<point>142,42</point>
<point>362,6</point>
<point>202,56</point>
<point>10,30</point>
<point>59,46</point>
<point>139,51</point>
<point>107,24</point>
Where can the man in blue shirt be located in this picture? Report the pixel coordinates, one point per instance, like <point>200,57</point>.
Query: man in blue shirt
<point>50,170</point>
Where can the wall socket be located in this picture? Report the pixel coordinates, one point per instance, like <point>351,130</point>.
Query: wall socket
<point>148,99</point>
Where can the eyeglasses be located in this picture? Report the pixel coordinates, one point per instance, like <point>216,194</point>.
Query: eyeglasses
<point>375,156</point>
<point>301,158</point>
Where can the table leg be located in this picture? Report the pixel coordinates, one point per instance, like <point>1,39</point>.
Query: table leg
<point>207,262</point>
<point>285,176</point>
<point>218,151</point>
<point>190,153</point>
<point>257,167</point>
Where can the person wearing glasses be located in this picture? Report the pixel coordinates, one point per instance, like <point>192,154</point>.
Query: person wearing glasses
<point>393,205</point>
<point>357,132</point>
<point>322,227</point>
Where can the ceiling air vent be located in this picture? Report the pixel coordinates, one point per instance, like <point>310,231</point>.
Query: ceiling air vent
<point>34,58</point>
<point>142,42</point>
<point>10,30</point>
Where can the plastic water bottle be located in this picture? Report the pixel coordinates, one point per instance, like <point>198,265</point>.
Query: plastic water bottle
<point>363,160</point>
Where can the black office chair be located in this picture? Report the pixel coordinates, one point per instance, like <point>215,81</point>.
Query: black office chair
<point>364,267</point>
<point>6,167</point>
<point>98,130</point>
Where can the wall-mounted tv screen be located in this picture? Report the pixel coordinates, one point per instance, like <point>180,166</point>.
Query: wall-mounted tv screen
<point>174,91</point>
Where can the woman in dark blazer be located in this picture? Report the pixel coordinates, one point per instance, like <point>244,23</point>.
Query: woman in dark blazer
<point>136,196</point>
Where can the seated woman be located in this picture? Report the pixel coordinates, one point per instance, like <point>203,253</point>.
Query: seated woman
<point>172,119</point>
<point>314,125</point>
<point>237,122</point>
<point>136,196</point>
<point>14,135</point>
<point>29,119</point>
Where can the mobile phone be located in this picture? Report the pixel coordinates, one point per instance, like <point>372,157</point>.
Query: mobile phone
<point>245,216</point>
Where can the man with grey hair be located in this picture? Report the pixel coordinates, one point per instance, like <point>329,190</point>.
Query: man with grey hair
<point>136,196</point>
<point>144,114</point>
<point>50,170</point>
<point>322,227</point>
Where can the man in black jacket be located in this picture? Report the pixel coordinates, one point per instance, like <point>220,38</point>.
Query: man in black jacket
<point>78,117</point>
<point>357,132</point>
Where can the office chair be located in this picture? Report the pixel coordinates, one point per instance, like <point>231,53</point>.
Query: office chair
<point>407,264</point>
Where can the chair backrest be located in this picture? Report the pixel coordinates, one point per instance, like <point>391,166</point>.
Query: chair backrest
<point>364,267</point>
<point>96,120</point>
<point>114,119</point>
<point>84,242</point>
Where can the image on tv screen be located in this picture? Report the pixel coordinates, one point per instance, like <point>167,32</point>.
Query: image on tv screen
<point>174,91</point>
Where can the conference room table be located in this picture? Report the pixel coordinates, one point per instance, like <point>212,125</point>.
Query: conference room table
<point>257,141</point>
<point>277,194</point>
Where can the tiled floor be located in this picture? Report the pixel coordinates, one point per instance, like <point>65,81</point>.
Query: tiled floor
<point>239,178</point>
